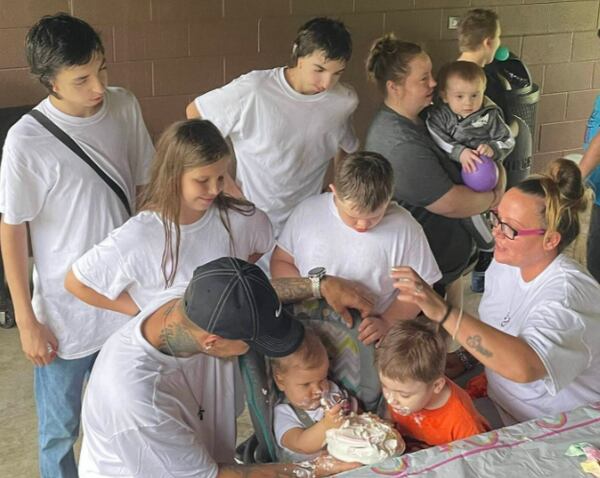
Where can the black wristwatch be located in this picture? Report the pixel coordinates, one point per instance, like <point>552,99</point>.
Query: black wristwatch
<point>315,275</point>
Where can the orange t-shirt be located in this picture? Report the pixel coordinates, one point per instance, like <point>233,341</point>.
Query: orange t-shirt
<point>455,420</point>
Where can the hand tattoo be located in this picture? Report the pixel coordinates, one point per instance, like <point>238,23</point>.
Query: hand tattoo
<point>474,341</point>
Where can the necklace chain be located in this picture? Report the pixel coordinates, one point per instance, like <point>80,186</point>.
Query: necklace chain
<point>510,312</point>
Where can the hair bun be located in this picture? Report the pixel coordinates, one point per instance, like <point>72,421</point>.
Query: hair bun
<point>567,177</point>
<point>382,47</point>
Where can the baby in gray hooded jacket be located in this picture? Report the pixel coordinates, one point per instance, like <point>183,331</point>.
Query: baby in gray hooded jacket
<point>465,123</point>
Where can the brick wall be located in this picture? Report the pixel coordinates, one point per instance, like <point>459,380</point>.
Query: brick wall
<point>168,51</point>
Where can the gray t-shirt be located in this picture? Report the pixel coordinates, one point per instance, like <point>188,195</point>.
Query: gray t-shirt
<point>422,174</point>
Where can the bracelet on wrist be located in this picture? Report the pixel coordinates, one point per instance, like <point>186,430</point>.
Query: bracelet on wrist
<point>446,315</point>
<point>460,316</point>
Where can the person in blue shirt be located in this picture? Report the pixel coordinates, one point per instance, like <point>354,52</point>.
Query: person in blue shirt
<point>590,169</point>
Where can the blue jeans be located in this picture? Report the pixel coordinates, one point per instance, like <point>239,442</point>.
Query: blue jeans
<point>58,388</point>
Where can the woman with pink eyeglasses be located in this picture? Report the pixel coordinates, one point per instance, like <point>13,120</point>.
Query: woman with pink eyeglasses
<point>539,333</point>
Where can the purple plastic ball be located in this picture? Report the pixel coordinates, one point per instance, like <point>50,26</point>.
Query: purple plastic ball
<point>485,176</point>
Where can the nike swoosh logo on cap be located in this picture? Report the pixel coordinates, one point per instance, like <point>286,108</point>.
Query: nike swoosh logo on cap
<point>278,311</point>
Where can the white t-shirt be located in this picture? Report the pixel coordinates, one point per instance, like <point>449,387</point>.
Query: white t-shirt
<point>315,235</point>
<point>285,418</point>
<point>141,416</point>
<point>130,257</point>
<point>69,207</point>
<point>283,140</point>
<point>558,315</point>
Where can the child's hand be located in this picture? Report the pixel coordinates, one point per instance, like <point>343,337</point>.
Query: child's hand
<point>486,150</point>
<point>333,417</point>
<point>371,329</point>
<point>469,160</point>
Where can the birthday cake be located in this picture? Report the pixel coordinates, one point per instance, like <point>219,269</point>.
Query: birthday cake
<point>363,438</point>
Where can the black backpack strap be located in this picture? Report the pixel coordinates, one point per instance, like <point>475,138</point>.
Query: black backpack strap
<point>73,146</point>
<point>304,418</point>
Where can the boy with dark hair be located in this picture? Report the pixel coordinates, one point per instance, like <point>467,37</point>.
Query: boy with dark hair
<point>356,232</point>
<point>68,207</point>
<point>286,124</point>
<point>322,34</point>
<point>422,402</point>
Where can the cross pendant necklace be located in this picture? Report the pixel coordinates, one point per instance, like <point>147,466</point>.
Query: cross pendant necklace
<point>509,314</point>
<point>201,410</point>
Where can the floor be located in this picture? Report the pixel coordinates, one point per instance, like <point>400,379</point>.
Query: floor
<point>18,452</point>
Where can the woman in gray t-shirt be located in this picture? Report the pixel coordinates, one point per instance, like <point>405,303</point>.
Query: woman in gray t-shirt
<point>426,181</point>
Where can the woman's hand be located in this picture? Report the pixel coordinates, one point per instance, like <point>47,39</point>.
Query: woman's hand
<point>414,290</point>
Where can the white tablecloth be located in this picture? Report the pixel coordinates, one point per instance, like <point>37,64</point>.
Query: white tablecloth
<point>532,449</point>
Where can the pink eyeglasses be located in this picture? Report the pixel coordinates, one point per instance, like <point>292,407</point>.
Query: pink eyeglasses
<point>510,232</point>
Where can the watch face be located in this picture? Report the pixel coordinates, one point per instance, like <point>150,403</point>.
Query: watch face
<point>316,272</point>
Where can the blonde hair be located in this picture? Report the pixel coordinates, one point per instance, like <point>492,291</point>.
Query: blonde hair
<point>477,25</point>
<point>412,350</point>
<point>564,194</point>
<point>389,59</point>
<point>183,146</point>
<point>366,179</point>
<point>311,354</point>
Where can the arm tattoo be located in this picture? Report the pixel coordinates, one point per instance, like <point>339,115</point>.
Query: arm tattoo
<point>292,289</point>
<point>474,341</point>
<point>175,339</point>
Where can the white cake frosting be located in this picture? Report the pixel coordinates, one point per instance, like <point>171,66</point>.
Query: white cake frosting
<point>363,438</point>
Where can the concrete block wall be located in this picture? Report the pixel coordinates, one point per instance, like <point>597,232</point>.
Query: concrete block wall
<point>169,51</point>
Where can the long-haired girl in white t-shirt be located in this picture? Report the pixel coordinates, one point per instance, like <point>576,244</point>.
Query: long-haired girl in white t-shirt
<point>186,220</point>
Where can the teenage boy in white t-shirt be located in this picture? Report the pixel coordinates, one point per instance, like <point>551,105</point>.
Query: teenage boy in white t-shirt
<point>286,124</point>
<point>357,233</point>
<point>68,208</point>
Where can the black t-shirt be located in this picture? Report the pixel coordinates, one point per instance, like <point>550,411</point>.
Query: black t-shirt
<point>422,174</point>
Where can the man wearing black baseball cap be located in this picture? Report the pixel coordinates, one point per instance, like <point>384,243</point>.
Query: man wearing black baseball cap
<point>161,397</point>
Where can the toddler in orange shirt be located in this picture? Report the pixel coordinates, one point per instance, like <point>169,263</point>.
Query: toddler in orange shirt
<point>423,403</point>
